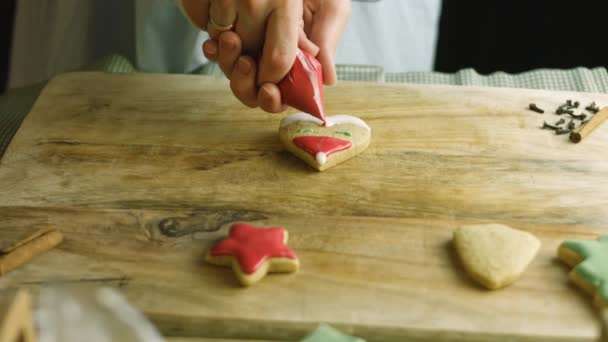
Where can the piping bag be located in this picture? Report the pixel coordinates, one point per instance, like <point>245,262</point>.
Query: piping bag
<point>302,88</point>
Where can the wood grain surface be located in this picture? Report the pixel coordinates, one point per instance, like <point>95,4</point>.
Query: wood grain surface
<point>143,173</point>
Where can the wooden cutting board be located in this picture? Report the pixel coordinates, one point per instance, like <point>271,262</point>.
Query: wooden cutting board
<point>143,173</point>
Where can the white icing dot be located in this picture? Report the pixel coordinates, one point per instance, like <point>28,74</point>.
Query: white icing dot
<point>331,120</point>
<point>321,158</point>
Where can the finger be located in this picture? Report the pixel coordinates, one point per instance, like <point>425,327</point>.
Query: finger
<point>326,58</point>
<point>222,13</point>
<point>197,11</point>
<point>269,98</point>
<point>307,16</point>
<point>327,26</point>
<point>306,44</point>
<point>210,49</point>
<point>281,43</point>
<point>229,52</point>
<point>242,81</point>
<point>251,25</point>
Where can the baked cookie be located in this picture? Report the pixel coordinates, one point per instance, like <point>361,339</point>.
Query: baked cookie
<point>322,147</point>
<point>495,255</point>
<point>253,252</point>
<point>325,333</point>
<point>590,261</point>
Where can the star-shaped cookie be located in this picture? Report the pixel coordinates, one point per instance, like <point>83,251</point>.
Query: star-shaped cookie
<point>253,252</point>
<point>590,261</point>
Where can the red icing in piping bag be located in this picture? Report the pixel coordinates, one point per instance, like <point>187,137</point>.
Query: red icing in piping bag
<point>302,88</point>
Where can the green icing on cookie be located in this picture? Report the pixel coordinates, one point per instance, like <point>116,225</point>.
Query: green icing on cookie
<point>594,267</point>
<point>347,133</point>
<point>305,130</point>
<point>325,333</point>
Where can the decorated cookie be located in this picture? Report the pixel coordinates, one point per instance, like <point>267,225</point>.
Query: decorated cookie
<point>590,261</point>
<point>323,146</point>
<point>495,255</point>
<point>252,252</point>
<point>325,333</point>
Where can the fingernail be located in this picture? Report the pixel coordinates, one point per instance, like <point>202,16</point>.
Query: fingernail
<point>244,66</point>
<point>210,49</point>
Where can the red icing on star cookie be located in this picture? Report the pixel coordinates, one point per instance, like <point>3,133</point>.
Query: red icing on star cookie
<point>314,144</point>
<point>302,88</point>
<point>253,246</point>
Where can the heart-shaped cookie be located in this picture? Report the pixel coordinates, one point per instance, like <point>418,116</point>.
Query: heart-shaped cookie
<point>320,146</point>
<point>495,255</point>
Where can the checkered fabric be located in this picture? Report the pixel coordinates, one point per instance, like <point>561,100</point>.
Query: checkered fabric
<point>15,104</point>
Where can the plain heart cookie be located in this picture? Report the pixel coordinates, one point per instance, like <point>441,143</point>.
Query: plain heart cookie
<point>495,255</point>
<point>322,147</point>
<point>590,262</point>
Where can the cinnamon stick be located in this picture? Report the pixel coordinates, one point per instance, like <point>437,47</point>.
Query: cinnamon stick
<point>18,324</point>
<point>24,250</point>
<point>604,325</point>
<point>583,131</point>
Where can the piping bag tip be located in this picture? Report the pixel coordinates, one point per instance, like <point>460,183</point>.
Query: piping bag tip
<point>302,87</point>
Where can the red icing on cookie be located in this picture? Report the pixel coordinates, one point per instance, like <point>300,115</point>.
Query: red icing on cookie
<point>252,246</point>
<point>314,144</point>
<point>302,88</point>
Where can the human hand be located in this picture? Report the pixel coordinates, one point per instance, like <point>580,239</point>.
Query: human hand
<point>253,81</point>
<point>243,71</point>
<point>324,22</point>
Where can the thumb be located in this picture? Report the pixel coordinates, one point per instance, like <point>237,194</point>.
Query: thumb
<point>328,23</point>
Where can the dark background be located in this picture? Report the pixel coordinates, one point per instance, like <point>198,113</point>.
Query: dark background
<point>515,35</point>
<point>509,35</point>
<point>7,10</point>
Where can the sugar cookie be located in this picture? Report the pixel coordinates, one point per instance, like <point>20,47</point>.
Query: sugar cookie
<point>322,147</point>
<point>495,255</point>
<point>253,252</point>
<point>590,261</point>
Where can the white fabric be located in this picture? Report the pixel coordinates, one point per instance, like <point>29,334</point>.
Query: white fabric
<point>54,36</point>
<point>166,41</point>
<point>399,35</point>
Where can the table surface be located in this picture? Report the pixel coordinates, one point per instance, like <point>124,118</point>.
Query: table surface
<point>143,173</point>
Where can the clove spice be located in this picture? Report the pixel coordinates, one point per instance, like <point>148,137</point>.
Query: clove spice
<point>563,110</point>
<point>533,107</point>
<point>568,109</point>
<point>548,126</point>
<point>580,116</point>
<point>593,108</point>
<point>571,124</point>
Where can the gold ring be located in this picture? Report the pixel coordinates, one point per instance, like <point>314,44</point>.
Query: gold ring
<point>220,28</point>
